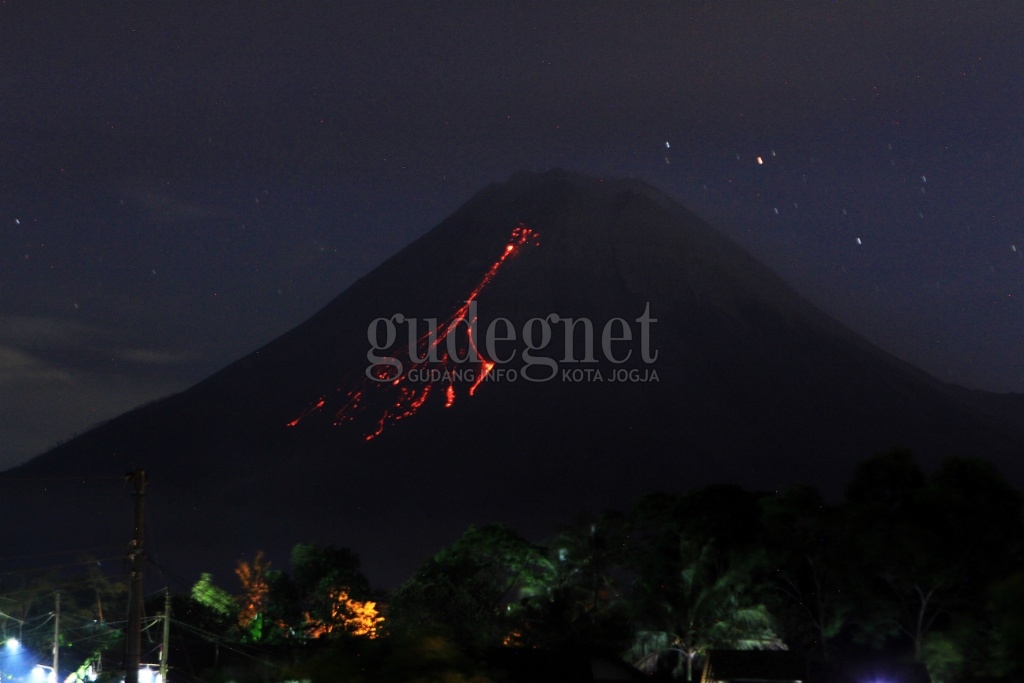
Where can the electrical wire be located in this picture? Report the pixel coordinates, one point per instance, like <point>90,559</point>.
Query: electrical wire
<point>59,566</point>
<point>82,551</point>
<point>184,583</point>
<point>219,640</point>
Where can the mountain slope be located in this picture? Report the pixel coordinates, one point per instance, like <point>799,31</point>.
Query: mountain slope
<point>754,386</point>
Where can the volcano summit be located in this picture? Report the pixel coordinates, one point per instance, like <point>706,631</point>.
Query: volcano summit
<point>412,405</point>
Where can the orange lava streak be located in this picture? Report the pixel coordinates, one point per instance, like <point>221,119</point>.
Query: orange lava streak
<point>521,235</point>
<point>488,365</point>
<point>410,399</point>
<point>312,409</point>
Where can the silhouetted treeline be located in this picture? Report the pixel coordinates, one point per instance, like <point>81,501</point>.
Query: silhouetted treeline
<point>907,566</point>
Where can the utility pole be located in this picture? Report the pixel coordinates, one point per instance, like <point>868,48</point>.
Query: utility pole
<point>56,638</point>
<point>165,648</point>
<point>133,634</point>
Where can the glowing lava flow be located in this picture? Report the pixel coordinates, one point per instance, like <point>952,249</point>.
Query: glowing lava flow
<point>397,398</point>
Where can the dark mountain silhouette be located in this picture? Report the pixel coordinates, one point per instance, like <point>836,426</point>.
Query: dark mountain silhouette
<point>755,386</point>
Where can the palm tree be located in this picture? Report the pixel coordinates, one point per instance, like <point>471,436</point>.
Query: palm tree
<point>711,602</point>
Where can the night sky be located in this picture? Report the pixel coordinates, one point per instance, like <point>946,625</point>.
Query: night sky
<point>182,182</point>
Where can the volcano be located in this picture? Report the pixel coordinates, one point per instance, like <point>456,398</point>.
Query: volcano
<point>446,388</point>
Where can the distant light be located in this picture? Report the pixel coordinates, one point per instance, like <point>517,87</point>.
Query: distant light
<point>42,674</point>
<point>858,241</point>
<point>13,645</point>
<point>760,161</point>
<point>148,675</point>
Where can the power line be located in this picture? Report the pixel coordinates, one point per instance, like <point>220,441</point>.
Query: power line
<point>219,640</point>
<point>60,566</point>
<point>185,583</point>
<point>64,584</point>
<point>58,552</point>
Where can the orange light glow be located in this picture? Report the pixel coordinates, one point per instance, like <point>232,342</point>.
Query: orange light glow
<point>254,581</point>
<point>512,639</point>
<point>396,398</point>
<point>354,617</point>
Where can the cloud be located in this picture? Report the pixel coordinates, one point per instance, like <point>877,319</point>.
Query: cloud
<point>167,208</point>
<point>18,366</point>
<point>59,377</point>
<point>45,332</point>
<point>70,340</point>
<point>152,357</point>
<point>163,208</point>
<point>40,406</point>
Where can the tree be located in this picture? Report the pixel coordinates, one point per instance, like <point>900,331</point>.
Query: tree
<point>253,601</point>
<point>471,591</point>
<point>283,617</point>
<point>213,597</point>
<point>933,544</point>
<point>347,616</point>
<point>1006,612</point>
<point>902,548</point>
<point>809,547</point>
<point>331,592</point>
<point>27,610</point>
<point>582,606</point>
<point>317,569</point>
<point>978,515</point>
<point>711,603</point>
<point>100,591</point>
<point>699,576</point>
<point>887,482</point>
